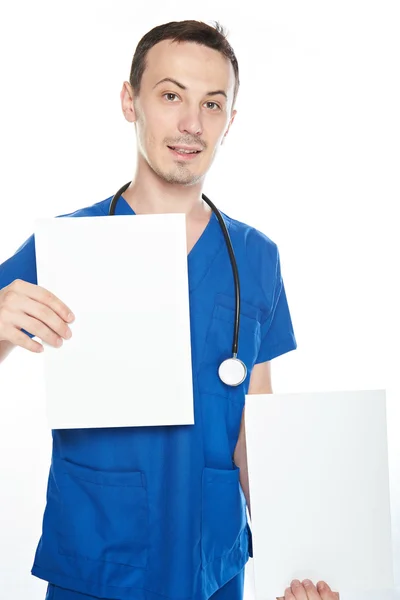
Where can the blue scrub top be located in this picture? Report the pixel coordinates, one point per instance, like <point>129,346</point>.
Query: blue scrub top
<point>145,513</point>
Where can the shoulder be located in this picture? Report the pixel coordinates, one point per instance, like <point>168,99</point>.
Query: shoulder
<point>22,264</point>
<point>255,244</point>
<point>257,256</point>
<point>99,209</point>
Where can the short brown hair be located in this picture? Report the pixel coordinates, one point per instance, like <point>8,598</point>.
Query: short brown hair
<point>183,31</point>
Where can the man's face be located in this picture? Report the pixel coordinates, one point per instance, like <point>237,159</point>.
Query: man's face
<point>166,115</point>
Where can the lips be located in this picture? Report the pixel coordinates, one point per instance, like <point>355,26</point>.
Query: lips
<point>183,156</point>
<point>186,149</point>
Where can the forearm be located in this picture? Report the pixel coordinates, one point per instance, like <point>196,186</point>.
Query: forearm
<point>260,383</point>
<point>240,460</point>
<point>244,482</point>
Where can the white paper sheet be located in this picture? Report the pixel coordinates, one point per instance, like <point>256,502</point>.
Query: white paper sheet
<point>319,488</point>
<point>128,362</point>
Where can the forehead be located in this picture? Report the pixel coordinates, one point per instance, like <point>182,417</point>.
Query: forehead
<point>189,63</point>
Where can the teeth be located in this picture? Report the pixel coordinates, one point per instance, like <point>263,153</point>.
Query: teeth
<point>181,151</point>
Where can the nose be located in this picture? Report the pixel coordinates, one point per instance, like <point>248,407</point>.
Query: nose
<point>190,122</point>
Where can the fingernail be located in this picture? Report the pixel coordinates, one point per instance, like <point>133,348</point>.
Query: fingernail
<point>320,585</point>
<point>295,582</point>
<point>71,316</point>
<point>306,582</point>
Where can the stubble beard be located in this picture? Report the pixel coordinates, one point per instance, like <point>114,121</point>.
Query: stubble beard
<point>179,175</point>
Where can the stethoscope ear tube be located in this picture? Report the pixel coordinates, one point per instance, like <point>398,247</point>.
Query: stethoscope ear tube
<point>235,273</point>
<point>116,197</point>
<point>232,371</point>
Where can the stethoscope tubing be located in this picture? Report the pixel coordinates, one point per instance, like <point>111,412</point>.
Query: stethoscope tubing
<point>231,253</point>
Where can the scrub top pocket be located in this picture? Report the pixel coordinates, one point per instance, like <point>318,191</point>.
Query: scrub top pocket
<point>223,512</point>
<point>103,515</point>
<point>218,345</point>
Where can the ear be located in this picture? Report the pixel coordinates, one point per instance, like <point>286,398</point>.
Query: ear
<point>127,102</point>
<point>230,123</point>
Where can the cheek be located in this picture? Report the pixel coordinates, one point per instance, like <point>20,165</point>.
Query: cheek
<point>158,133</point>
<point>150,129</point>
<point>216,136</point>
<point>148,140</point>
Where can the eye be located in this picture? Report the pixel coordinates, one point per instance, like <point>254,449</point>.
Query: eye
<point>169,94</point>
<point>215,104</point>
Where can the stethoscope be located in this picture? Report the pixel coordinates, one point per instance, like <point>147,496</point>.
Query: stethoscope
<point>232,371</point>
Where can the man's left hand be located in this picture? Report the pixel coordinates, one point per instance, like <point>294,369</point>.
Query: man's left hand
<point>308,591</point>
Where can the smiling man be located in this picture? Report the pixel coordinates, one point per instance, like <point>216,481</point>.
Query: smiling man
<point>153,513</point>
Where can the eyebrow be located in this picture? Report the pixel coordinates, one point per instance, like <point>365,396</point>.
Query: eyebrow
<point>183,87</point>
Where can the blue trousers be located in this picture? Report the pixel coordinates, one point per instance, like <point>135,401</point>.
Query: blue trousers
<point>233,590</point>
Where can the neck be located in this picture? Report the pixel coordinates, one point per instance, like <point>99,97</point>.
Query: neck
<point>148,193</point>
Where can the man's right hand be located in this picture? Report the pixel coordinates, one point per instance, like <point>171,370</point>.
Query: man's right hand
<point>28,306</point>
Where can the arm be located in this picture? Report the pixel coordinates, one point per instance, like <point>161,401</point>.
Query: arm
<point>260,383</point>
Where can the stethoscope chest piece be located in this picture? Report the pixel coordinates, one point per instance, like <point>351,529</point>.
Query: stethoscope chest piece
<point>232,371</point>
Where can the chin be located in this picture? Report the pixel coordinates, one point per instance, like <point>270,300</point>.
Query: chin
<point>177,176</point>
<point>188,180</point>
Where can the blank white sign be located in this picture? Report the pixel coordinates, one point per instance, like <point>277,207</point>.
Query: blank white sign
<point>128,362</point>
<point>319,488</point>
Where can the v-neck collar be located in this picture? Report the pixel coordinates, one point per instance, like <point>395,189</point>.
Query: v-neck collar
<point>203,252</point>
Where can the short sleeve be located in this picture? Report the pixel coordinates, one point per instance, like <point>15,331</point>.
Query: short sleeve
<point>22,265</point>
<point>277,335</point>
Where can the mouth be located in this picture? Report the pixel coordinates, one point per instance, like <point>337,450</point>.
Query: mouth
<point>184,154</point>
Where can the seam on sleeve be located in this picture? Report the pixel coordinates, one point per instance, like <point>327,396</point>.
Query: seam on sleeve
<point>287,345</point>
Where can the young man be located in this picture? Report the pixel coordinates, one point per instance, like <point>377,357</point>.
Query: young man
<point>159,512</point>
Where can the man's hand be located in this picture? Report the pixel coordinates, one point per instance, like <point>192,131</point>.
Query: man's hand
<point>28,306</point>
<point>307,591</point>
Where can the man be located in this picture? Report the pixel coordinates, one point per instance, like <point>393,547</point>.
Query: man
<point>159,512</point>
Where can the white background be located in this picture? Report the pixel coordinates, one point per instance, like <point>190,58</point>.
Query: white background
<point>315,153</point>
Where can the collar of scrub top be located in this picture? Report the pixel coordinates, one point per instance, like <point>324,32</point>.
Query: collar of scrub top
<point>232,371</point>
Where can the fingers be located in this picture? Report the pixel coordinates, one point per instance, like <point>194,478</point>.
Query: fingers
<point>308,591</point>
<point>46,324</point>
<point>40,294</point>
<point>288,595</point>
<point>41,330</point>
<point>297,591</point>
<point>26,306</point>
<point>312,592</point>
<point>18,338</point>
<point>325,591</point>
<point>19,315</point>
